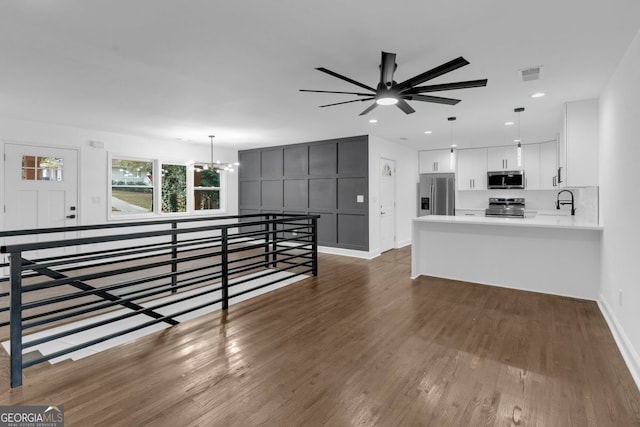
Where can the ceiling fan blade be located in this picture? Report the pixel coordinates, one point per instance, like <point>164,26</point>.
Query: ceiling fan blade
<point>369,108</point>
<point>346,79</point>
<point>402,104</point>
<point>433,73</point>
<point>446,86</point>
<point>436,99</point>
<point>387,67</point>
<point>331,91</point>
<point>346,102</point>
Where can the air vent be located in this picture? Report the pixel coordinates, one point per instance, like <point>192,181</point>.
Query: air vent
<point>530,74</point>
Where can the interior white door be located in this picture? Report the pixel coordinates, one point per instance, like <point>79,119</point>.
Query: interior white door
<point>41,190</point>
<point>387,180</point>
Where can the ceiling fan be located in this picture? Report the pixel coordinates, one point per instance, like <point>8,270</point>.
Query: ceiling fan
<point>390,92</point>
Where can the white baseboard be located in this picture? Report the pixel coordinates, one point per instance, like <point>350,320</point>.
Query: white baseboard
<point>403,243</point>
<point>629,354</point>
<point>349,252</point>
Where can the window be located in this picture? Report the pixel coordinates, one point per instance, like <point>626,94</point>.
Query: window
<point>36,168</point>
<point>206,189</point>
<point>174,188</point>
<point>131,187</point>
<point>149,187</point>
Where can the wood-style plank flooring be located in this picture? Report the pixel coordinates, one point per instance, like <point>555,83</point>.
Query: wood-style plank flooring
<point>362,344</point>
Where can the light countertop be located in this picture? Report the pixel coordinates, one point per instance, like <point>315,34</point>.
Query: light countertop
<point>540,221</point>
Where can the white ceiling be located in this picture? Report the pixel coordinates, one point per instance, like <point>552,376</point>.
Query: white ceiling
<point>186,69</point>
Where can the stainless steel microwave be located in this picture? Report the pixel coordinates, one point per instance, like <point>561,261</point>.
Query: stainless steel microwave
<point>505,179</point>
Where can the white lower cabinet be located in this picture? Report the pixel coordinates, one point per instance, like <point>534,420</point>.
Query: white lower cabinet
<point>469,212</point>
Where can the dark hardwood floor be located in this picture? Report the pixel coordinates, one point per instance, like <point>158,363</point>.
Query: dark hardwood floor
<point>362,344</point>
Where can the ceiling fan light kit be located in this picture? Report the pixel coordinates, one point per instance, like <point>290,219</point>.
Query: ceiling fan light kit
<point>390,92</point>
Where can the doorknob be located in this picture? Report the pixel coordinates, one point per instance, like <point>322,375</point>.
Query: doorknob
<point>71,216</point>
<point>382,213</point>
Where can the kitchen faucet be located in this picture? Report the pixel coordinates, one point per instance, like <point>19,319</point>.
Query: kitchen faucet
<point>566,202</point>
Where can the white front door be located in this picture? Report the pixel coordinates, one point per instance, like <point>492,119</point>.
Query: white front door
<point>40,190</point>
<point>387,179</point>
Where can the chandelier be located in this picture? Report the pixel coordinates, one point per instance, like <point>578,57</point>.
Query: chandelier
<point>215,165</point>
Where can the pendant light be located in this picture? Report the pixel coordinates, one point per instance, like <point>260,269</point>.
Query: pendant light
<point>216,165</point>
<point>519,140</point>
<point>451,153</point>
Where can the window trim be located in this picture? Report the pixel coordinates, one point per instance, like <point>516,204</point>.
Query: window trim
<point>110,158</point>
<point>186,166</point>
<point>223,194</point>
<point>157,187</point>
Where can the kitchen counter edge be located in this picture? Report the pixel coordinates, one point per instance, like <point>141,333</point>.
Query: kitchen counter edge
<point>540,222</point>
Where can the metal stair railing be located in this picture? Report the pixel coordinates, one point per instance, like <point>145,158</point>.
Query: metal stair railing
<point>133,275</point>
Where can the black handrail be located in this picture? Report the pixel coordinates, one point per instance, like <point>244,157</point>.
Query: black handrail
<point>139,266</point>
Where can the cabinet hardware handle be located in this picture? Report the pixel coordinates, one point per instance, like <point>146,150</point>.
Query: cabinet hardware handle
<point>71,216</point>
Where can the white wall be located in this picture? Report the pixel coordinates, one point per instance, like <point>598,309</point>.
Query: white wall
<point>406,159</point>
<point>93,167</point>
<point>620,204</point>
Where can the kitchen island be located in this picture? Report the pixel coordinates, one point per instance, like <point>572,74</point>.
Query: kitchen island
<point>549,254</point>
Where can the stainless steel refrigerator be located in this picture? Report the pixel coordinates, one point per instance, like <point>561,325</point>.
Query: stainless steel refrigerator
<point>436,194</point>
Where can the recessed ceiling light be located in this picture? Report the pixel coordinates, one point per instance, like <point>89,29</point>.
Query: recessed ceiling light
<point>428,132</point>
<point>373,121</point>
<point>508,123</point>
<point>537,95</point>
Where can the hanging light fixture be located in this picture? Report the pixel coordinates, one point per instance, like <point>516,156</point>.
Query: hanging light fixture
<point>519,140</point>
<point>452,159</point>
<point>215,165</point>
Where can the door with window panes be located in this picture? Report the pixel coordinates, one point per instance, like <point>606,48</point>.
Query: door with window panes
<point>41,190</point>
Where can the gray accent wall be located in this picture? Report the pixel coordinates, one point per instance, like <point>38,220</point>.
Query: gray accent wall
<point>323,178</point>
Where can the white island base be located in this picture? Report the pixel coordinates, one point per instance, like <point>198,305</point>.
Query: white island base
<point>553,256</point>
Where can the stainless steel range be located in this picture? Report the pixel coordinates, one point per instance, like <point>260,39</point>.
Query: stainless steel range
<point>510,207</point>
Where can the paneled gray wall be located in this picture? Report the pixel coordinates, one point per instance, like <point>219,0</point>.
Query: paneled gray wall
<point>323,178</point>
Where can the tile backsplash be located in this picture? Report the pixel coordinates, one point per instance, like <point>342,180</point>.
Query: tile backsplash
<point>586,200</point>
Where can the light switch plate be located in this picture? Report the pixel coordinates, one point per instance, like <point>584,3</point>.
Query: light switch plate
<point>360,198</point>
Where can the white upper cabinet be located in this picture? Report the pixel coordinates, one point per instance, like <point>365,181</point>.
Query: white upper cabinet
<point>436,161</point>
<point>532,163</point>
<point>578,145</point>
<point>548,165</point>
<point>503,158</point>
<point>472,169</point>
